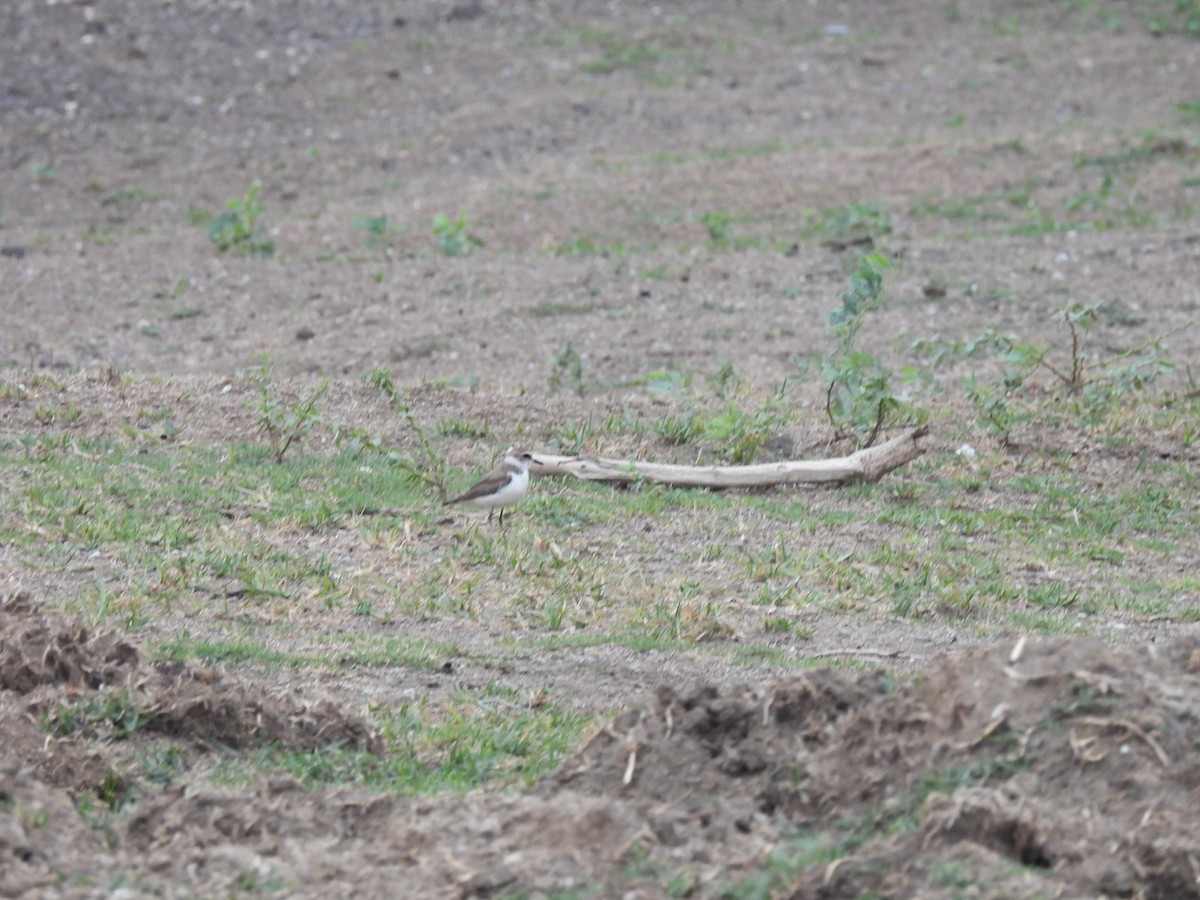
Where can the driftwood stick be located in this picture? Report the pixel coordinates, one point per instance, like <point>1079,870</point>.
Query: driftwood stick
<point>870,464</point>
<point>883,654</point>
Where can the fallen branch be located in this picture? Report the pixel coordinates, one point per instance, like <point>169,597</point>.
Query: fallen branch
<point>869,464</point>
<point>882,654</point>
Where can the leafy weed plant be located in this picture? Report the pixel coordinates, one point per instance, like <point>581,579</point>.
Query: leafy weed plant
<point>1101,383</point>
<point>850,225</point>
<point>110,713</point>
<point>452,236</point>
<point>860,400</point>
<point>566,371</point>
<point>717,225</point>
<point>284,424</point>
<point>237,228</point>
<point>1175,17</point>
<point>735,432</point>
<point>741,433</point>
<point>379,230</point>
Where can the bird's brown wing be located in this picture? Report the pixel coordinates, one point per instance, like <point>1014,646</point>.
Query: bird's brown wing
<point>488,484</point>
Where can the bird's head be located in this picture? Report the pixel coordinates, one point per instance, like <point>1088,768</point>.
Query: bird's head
<point>522,458</point>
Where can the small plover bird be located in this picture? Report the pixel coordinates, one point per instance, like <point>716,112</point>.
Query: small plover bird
<point>501,487</point>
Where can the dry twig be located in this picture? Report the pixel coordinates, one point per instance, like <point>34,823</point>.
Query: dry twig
<point>1132,728</point>
<point>882,654</point>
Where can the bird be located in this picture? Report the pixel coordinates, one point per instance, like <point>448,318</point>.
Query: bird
<point>501,487</point>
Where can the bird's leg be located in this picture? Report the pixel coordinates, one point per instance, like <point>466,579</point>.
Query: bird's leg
<point>502,517</point>
<point>490,511</point>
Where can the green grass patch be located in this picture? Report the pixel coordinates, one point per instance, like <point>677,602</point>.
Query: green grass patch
<point>853,223</point>
<point>491,737</point>
<point>193,522</point>
<point>129,197</point>
<point>352,538</point>
<point>235,651</point>
<point>659,58</point>
<point>186,527</point>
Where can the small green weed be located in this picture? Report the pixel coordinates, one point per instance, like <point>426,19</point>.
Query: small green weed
<point>679,427</point>
<point>590,245</point>
<point>860,400</point>
<point>1189,112</point>
<point>855,223</point>
<point>551,309</point>
<point>725,381</point>
<point>566,371</point>
<point>129,197</point>
<point>717,225</point>
<point>463,428</point>
<point>285,424</point>
<point>960,209</point>
<point>740,434</point>
<point>1093,200</point>
<point>111,714</point>
<point>735,432</point>
<point>1100,382</point>
<point>63,415</point>
<point>775,561</point>
<point>238,228</point>
<point>381,378</point>
<point>776,145</point>
<point>641,57</point>
<point>1151,148</point>
<point>379,230</point>
<point>239,651</point>
<point>452,236</point>
<point>161,765</point>
<point>685,422</point>
<point>427,468</point>
<point>1178,17</point>
<point>572,437</point>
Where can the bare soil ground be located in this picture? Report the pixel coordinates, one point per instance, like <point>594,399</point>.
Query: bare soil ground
<point>648,185</point>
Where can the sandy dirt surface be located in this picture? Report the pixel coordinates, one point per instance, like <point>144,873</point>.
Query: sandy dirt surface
<point>644,184</point>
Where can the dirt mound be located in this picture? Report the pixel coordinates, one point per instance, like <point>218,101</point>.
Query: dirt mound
<point>1059,764</point>
<point>1061,767</point>
<point>701,766</point>
<point>41,649</point>
<point>74,701</point>
<point>42,837</point>
<point>1060,760</point>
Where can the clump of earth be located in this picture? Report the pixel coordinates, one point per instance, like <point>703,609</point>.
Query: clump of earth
<point>1048,766</point>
